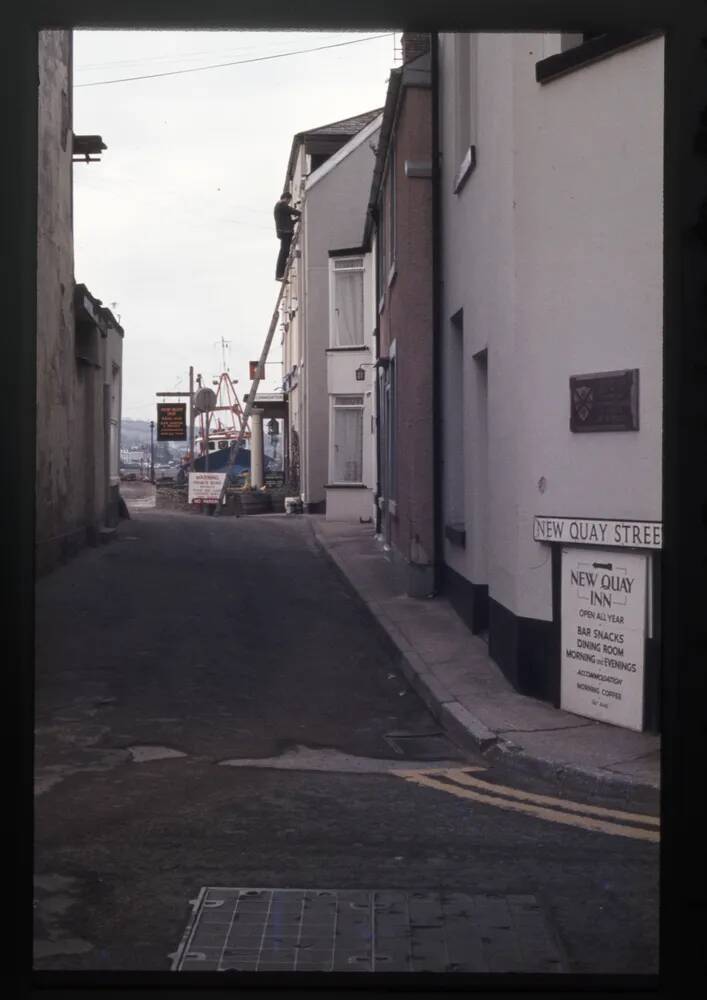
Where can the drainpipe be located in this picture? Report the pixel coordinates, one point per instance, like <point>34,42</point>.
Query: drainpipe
<point>436,324</point>
<point>376,371</point>
<point>376,394</point>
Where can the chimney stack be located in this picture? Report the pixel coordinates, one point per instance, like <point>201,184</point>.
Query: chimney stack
<point>414,43</point>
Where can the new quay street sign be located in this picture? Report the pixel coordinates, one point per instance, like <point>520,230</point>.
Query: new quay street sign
<point>171,421</point>
<point>598,531</point>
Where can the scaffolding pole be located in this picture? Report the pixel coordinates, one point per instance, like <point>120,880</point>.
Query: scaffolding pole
<point>250,403</point>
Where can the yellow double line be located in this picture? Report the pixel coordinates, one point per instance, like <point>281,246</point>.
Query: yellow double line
<point>462,783</point>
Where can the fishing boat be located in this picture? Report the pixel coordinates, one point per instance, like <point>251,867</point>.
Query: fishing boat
<point>216,433</point>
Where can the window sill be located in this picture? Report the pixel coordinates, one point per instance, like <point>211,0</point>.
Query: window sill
<point>465,170</point>
<point>345,486</point>
<point>456,534</point>
<point>588,52</point>
<point>354,347</point>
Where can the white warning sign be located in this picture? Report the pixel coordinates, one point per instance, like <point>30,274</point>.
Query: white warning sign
<point>205,487</point>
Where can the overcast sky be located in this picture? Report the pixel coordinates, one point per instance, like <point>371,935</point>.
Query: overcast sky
<point>174,228</point>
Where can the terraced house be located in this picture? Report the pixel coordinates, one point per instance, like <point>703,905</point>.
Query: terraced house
<point>550,354</point>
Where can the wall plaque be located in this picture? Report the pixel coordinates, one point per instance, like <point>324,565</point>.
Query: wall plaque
<point>603,635</point>
<point>604,401</point>
<point>171,421</point>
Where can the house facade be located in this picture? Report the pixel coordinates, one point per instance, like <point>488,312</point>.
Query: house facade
<point>400,220</point>
<point>550,340</point>
<point>79,343</point>
<point>327,320</point>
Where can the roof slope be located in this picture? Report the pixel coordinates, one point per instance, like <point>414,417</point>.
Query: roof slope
<point>345,128</point>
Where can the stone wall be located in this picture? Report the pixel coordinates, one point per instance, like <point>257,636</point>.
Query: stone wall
<point>171,496</point>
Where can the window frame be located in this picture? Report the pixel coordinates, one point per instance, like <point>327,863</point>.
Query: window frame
<point>333,325</point>
<point>333,407</point>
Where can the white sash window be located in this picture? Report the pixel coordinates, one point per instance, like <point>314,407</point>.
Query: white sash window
<point>347,439</point>
<point>347,302</point>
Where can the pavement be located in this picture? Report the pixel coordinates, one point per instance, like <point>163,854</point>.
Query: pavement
<point>466,691</point>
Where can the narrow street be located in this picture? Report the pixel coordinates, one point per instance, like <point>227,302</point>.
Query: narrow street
<point>216,708</point>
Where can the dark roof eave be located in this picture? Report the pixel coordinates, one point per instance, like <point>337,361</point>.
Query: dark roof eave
<point>96,312</point>
<point>322,132</point>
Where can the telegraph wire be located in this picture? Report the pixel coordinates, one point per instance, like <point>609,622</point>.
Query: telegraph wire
<point>239,62</point>
<point>175,56</point>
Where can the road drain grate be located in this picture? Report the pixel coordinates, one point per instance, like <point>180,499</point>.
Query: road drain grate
<point>340,930</point>
<point>427,746</point>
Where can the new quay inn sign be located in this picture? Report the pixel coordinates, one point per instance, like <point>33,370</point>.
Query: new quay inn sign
<point>598,531</point>
<point>604,612</point>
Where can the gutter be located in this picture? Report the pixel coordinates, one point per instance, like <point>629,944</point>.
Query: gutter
<point>436,322</point>
<point>389,113</point>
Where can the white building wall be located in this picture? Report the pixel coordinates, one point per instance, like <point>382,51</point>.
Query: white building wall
<point>334,215</point>
<point>553,251</point>
<point>478,269</point>
<point>588,228</point>
<point>292,314</point>
<point>351,504</point>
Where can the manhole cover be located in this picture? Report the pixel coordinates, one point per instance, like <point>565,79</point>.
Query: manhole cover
<point>430,746</point>
<point>337,930</point>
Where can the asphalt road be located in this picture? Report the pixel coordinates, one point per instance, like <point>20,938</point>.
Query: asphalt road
<point>189,645</point>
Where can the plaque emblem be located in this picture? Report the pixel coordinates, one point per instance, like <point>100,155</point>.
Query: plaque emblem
<point>583,398</point>
<point>604,401</point>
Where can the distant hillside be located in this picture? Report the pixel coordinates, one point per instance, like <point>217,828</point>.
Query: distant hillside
<point>134,432</point>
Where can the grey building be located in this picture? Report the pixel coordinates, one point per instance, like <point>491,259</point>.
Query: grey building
<point>79,343</point>
<point>328,318</point>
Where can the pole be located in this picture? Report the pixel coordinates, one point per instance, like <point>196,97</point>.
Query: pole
<point>191,417</point>
<point>264,353</point>
<point>206,441</point>
<point>152,452</point>
<point>261,362</point>
<point>256,448</point>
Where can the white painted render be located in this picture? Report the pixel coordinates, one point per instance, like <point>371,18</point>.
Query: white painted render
<point>366,134</point>
<point>553,249</point>
<point>334,212</point>
<point>351,504</point>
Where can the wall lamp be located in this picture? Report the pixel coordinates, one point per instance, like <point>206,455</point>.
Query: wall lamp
<point>361,373</point>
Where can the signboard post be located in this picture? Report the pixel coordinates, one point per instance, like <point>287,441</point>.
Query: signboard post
<point>205,487</point>
<point>603,634</point>
<point>171,421</point>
